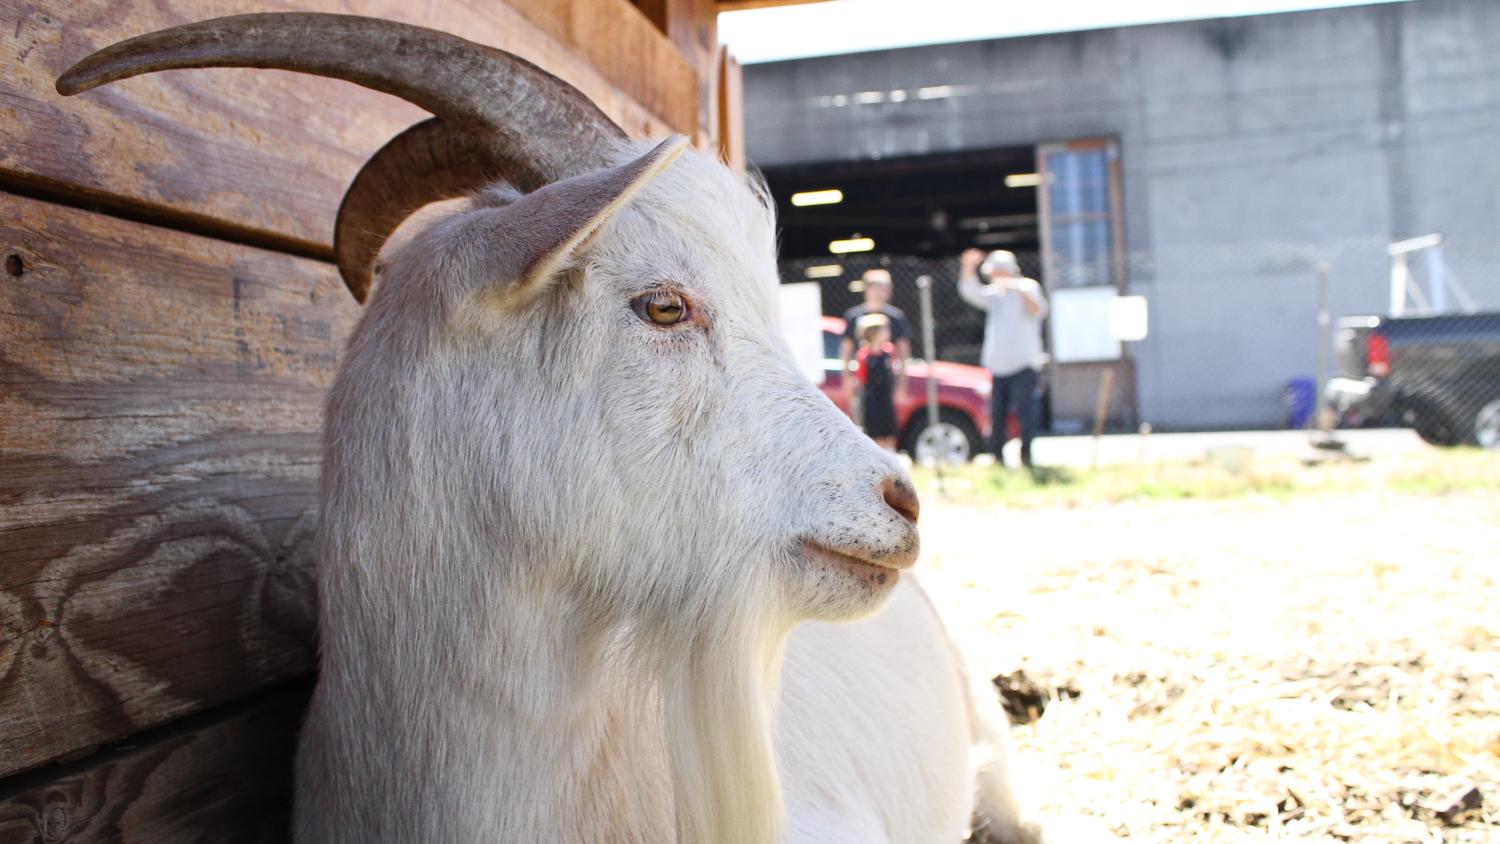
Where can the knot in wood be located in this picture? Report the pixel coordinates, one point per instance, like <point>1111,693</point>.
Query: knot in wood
<point>55,823</point>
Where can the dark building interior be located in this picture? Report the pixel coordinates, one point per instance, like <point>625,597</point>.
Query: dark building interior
<point>928,206</point>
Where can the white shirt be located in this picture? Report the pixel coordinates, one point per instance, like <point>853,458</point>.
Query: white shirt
<point>1012,333</point>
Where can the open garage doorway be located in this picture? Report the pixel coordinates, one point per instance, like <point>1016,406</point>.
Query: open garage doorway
<point>1056,206</point>
<point>927,206</point>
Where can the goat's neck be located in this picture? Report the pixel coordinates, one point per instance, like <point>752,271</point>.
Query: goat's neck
<point>582,725</point>
<point>651,732</point>
<point>576,744</point>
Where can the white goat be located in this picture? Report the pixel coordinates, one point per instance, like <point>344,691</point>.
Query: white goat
<point>580,512</point>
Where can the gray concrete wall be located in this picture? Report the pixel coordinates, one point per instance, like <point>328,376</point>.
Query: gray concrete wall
<point>1251,148</point>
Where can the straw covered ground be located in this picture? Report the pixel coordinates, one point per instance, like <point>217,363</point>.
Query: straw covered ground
<point>1316,660</point>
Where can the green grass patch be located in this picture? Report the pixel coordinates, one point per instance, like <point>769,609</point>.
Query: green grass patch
<point>1445,471</point>
<point>1229,476</point>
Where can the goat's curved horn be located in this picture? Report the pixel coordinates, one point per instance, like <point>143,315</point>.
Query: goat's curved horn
<point>529,123</point>
<point>427,162</point>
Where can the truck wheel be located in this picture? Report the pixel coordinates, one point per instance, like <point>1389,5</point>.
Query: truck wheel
<point>953,440</point>
<point>1431,424</point>
<point>1487,426</point>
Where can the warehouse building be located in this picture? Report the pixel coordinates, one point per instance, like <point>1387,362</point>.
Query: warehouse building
<point>1210,166</point>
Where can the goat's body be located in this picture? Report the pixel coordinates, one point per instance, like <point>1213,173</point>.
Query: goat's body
<point>874,738</point>
<point>873,735</point>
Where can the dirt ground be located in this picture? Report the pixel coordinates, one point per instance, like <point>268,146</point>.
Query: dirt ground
<point>1319,666</point>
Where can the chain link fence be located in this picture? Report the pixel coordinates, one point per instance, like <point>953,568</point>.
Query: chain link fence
<point>1274,335</point>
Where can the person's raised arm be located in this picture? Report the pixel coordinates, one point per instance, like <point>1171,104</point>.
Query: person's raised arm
<point>1031,296</point>
<point>969,288</point>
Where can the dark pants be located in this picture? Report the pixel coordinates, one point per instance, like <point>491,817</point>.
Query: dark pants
<point>1018,391</point>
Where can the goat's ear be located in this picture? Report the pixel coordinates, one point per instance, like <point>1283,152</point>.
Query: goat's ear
<point>538,233</point>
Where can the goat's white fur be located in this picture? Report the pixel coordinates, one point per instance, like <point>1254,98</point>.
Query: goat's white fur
<point>559,569</point>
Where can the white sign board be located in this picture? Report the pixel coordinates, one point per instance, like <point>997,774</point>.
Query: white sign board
<point>1081,324</point>
<point>802,320</point>
<point>1127,318</point>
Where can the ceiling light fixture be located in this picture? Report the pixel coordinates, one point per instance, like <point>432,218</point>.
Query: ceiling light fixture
<point>832,196</point>
<point>824,271</point>
<point>853,244</point>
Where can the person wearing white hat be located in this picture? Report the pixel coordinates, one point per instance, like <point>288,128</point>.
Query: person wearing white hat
<point>1014,308</point>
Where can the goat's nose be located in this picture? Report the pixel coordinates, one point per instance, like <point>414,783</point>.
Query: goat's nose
<point>899,496</point>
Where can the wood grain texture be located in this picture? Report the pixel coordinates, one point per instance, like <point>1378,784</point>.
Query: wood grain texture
<point>731,112</point>
<point>260,156</point>
<point>627,48</point>
<point>160,401</point>
<point>742,5</point>
<point>224,777</point>
<point>693,27</point>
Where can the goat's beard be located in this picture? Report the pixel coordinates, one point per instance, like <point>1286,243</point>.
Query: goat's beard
<point>718,692</point>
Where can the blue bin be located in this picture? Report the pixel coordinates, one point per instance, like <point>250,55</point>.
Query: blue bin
<point>1301,395</point>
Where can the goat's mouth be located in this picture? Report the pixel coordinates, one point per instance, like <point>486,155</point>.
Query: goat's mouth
<point>885,568</point>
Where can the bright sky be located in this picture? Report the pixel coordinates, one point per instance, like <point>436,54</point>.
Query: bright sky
<point>850,26</point>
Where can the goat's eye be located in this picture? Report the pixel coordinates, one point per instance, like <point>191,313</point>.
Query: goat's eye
<point>662,307</point>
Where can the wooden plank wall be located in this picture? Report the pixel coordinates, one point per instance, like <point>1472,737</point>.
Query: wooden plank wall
<point>693,26</point>
<point>256,156</point>
<point>169,321</point>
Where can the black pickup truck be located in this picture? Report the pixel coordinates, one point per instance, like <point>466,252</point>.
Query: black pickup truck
<point>1438,374</point>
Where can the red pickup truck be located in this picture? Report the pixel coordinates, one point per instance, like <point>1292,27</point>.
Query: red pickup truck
<point>963,395</point>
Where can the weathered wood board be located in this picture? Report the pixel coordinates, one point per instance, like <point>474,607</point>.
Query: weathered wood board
<point>741,5</point>
<point>221,777</point>
<point>160,401</point>
<point>628,49</point>
<point>731,112</point>
<point>263,156</point>
<point>693,27</point>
